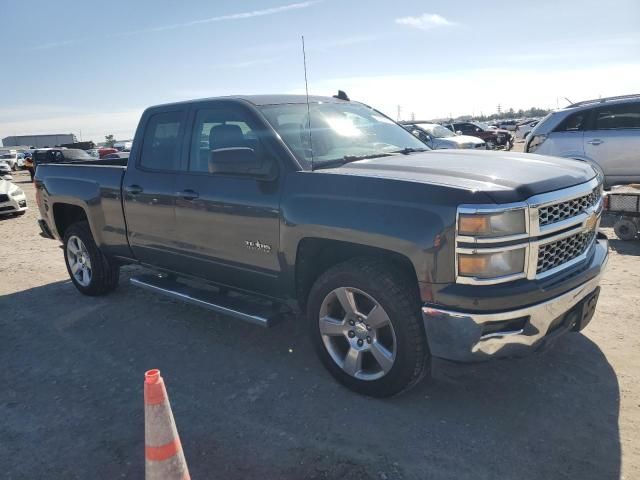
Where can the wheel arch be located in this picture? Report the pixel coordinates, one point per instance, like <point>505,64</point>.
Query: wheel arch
<point>316,255</point>
<point>65,215</point>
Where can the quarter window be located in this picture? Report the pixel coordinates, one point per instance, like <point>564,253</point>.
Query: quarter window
<point>161,144</point>
<point>618,117</point>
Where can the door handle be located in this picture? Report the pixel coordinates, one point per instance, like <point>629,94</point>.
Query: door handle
<point>189,194</point>
<point>595,141</point>
<point>134,189</point>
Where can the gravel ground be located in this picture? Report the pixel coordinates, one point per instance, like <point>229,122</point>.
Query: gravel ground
<point>255,403</point>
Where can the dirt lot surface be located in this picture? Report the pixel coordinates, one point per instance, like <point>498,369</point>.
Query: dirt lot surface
<point>255,403</point>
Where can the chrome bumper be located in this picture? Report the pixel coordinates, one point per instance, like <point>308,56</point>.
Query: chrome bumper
<point>463,336</point>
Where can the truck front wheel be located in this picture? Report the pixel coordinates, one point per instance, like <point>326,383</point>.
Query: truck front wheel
<point>367,329</point>
<point>90,271</point>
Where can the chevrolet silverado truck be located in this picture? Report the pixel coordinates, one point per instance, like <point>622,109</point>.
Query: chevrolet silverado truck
<point>255,206</point>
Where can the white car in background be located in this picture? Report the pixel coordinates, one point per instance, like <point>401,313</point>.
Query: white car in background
<point>604,132</point>
<point>12,199</point>
<point>438,137</point>
<point>523,129</point>
<point>5,170</point>
<point>11,157</point>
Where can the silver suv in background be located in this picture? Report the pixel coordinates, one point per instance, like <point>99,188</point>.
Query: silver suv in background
<point>605,131</point>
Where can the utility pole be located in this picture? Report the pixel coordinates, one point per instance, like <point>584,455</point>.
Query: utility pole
<point>413,116</point>
<point>499,109</point>
<point>399,112</point>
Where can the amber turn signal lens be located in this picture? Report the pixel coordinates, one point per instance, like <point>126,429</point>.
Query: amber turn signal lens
<point>472,224</point>
<point>472,265</point>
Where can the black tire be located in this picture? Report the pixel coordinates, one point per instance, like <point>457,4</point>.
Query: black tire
<point>625,229</point>
<point>399,299</point>
<point>105,273</point>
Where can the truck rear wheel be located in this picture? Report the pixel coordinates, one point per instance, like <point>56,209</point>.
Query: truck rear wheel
<point>90,271</point>
<point>367,328</point>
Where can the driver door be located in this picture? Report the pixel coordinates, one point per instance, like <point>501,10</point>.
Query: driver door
<point>229,224</point>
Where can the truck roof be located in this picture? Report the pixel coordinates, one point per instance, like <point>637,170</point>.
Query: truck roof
<point>259,100</point>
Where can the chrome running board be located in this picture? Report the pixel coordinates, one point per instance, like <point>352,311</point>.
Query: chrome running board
<point>233,305</point>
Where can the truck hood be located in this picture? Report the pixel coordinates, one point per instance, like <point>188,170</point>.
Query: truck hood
<point>504,176</point>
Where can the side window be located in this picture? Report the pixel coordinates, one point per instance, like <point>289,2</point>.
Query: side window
<point>54,156</point>
<point>618,117</point>
<point>224,127</point>
<point>573,123</point>
<point>161,143</point>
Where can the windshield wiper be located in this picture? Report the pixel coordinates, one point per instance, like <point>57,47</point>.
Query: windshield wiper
<point>347,159</point>
<point>408,150</point>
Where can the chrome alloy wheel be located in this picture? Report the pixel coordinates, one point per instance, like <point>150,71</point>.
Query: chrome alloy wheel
<point>357,333</point>
<point>79,261</point>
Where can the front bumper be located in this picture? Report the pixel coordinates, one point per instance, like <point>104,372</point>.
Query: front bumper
<point>45,230</point>
<point>13,205</point>
<point>464,336</point>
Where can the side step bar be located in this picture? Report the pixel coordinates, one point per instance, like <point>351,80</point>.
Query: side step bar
<point>234,305</point>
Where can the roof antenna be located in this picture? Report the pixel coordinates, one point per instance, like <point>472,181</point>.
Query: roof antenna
<point>306,87</point>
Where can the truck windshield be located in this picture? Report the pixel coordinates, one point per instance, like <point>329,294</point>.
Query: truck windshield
<point>338,131</point>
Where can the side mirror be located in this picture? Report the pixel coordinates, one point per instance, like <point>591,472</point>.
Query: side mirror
<point>235,161</point>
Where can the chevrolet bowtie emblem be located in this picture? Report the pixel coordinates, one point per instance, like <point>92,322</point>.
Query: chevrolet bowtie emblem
<point>591,222</point>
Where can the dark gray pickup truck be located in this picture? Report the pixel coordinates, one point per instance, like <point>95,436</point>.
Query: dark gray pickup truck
<point>252,206</point>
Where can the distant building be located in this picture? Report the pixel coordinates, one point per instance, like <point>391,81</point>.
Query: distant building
<point>39,141</point>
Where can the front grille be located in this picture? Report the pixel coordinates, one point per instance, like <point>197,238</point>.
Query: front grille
<point>554,254</point>
<point>481,145</point>
<point>4,198</point>
<point>563,210</point>
<point>6,209</point>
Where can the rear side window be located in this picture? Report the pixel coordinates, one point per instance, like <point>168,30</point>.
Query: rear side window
<point>162,141</point>
<point>618,117</point>
<point>573,123</point>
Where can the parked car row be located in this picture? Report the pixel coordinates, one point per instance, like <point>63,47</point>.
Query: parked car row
<point>438,137</point>
<point>492,137</point>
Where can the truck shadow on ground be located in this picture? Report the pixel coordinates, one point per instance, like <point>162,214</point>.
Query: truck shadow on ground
<point>255,403</point>
<point>625,247</point>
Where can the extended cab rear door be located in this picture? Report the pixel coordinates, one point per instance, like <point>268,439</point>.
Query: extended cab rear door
<point>149,187</point>
<point>229,222</point>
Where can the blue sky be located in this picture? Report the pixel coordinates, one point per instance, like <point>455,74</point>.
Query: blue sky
<point>93,66</point>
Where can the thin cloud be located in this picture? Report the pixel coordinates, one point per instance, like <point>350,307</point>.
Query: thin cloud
<point>426,21</point>
<point>47,46</point>
<point>192,23</point>
<point>223,18</point>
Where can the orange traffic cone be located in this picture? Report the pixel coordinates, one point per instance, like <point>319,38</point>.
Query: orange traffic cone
<point>164,459</point>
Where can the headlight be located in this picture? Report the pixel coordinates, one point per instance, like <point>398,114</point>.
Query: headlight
<point>488,225</point>
<point>17,192</point>
<point>491,265</point>
<point>535,143</point>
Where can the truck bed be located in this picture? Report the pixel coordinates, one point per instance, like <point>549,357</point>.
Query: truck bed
<point>96,187</point>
